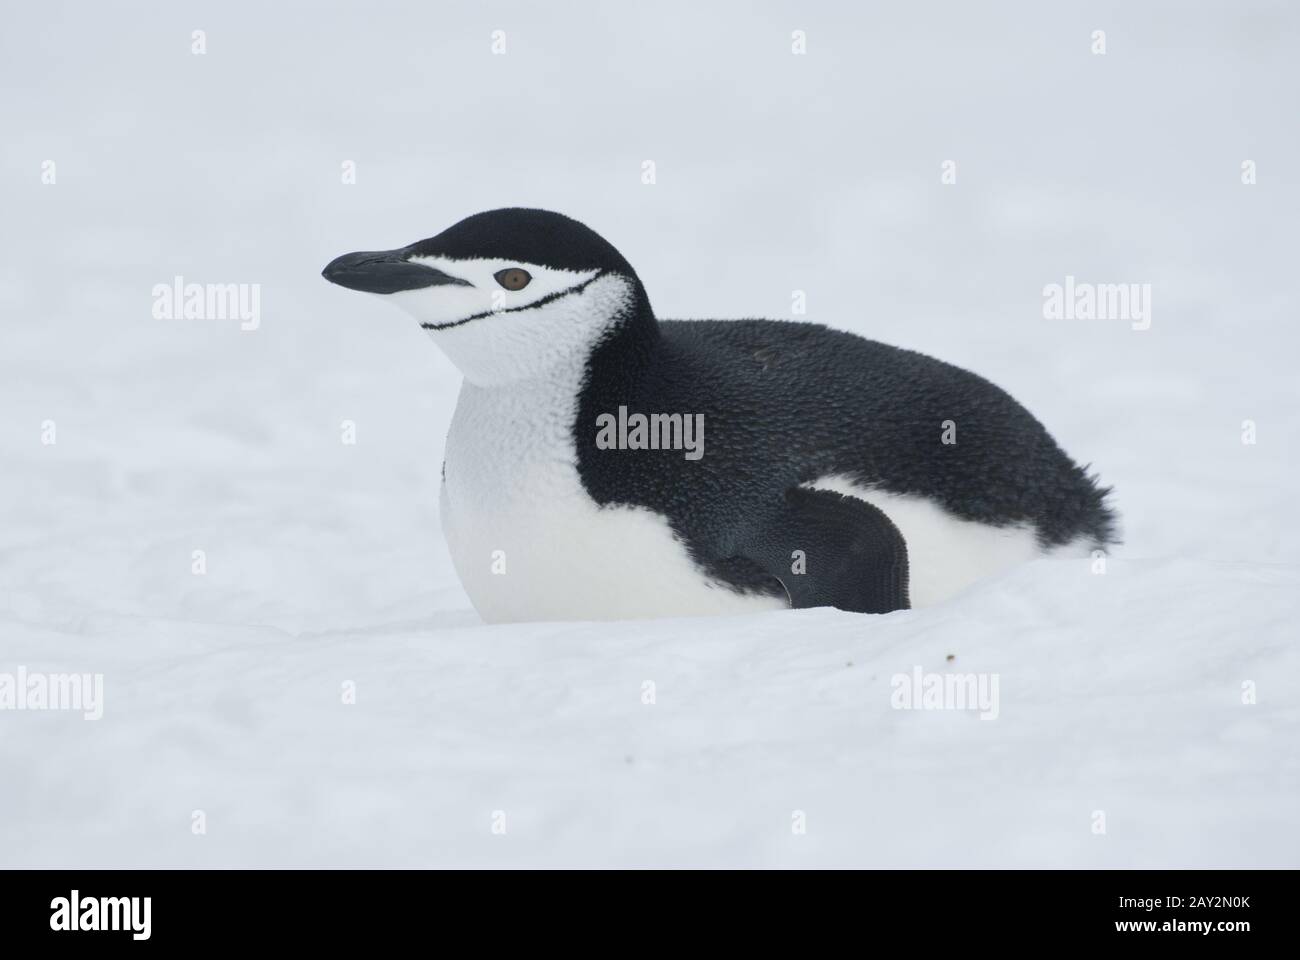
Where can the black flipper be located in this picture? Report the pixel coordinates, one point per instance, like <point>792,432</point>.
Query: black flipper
<point>853,556</point>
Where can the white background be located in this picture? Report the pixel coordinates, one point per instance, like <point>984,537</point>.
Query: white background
<point>1119,692</point>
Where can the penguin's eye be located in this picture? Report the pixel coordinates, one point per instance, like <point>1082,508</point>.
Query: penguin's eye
<point>513,278</point>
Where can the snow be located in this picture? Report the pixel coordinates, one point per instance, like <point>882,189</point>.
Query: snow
<point>1119,691</point>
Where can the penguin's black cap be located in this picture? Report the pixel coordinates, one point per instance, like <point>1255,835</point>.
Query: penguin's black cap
<point>528,236</point>
<point>513,234</point>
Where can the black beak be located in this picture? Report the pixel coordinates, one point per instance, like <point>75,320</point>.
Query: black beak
<point>385,271</point>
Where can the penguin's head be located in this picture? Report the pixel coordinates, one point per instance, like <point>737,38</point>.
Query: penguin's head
<point>507,294</point>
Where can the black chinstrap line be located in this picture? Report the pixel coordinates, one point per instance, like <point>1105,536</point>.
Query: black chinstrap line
<point>549,298</point>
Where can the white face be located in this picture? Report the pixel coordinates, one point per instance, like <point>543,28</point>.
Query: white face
<point>496,334</point>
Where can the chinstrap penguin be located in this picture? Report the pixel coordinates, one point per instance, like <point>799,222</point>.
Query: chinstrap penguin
<point>825,472</point>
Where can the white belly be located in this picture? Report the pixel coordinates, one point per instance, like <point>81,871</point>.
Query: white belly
<point>529,544</point>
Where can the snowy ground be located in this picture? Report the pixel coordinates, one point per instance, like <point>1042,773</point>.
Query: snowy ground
<point>1120,692</point>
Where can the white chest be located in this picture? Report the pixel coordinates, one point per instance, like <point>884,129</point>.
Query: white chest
<point>527,541</point>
